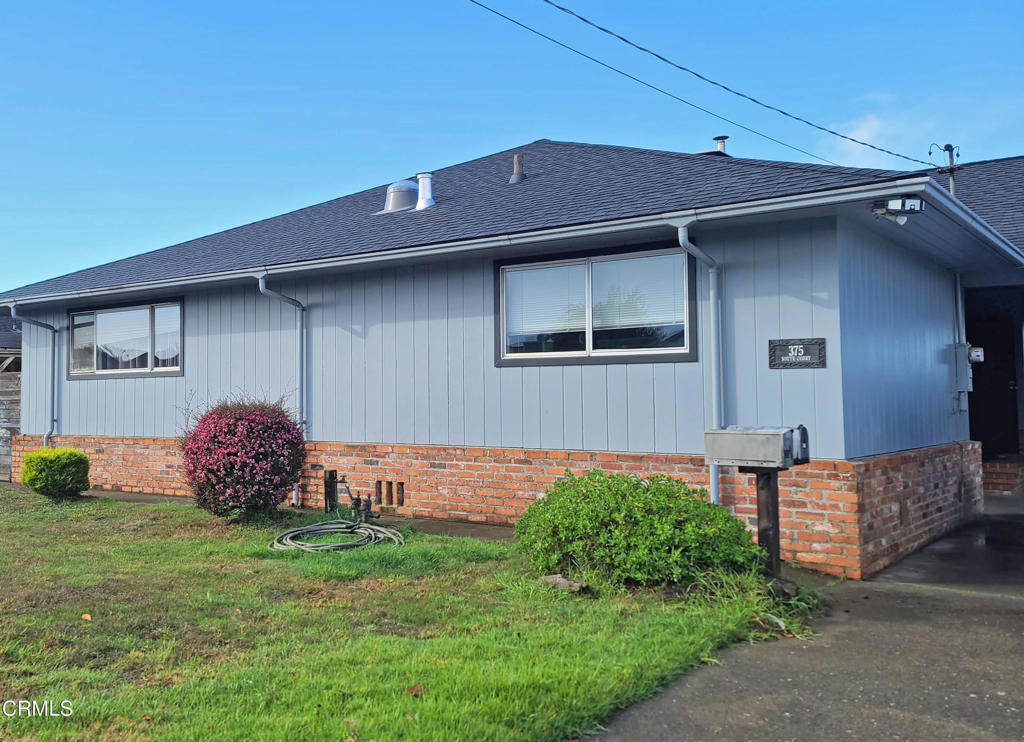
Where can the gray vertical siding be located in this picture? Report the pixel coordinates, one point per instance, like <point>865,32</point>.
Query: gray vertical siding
<point>418,351</point>
<point>781,281</point>
<point>898,313</point>
<point>405,355</point>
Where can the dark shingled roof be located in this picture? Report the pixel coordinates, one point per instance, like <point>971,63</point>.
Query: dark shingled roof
<point>10,332</point>
<point>994,190</point>
<point>567,183</point>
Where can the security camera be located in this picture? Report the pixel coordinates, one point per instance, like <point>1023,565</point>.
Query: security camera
<point>881,211</point>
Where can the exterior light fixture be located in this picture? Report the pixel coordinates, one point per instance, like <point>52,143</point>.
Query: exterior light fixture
<point>904,205</point>
<point>896,209</point>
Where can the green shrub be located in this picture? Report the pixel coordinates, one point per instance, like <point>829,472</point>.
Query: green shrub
<point>633,531</point>
<point>56,472</point>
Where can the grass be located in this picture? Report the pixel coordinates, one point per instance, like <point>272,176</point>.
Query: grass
<point>199,632</point>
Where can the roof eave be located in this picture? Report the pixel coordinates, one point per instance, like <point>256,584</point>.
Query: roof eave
<point>916,184</point>
<point>939,197</point>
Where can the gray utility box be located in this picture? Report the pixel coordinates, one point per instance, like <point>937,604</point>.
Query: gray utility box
<point>767,448</point>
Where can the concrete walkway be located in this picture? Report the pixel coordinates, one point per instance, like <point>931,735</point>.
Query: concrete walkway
<point>931,649</point>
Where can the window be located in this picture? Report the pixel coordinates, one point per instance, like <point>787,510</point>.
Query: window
<point>545,309</point>
<point>596,309</point>
<point>140,339</point>
<point>639,302</point>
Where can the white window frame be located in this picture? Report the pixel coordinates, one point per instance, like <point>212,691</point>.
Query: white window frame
<point>590,352</point>
<point>151,370</point>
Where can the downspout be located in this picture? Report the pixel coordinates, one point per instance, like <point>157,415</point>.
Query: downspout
<point>300,331</point>
<point>714,303</point>
<point>53,369</point>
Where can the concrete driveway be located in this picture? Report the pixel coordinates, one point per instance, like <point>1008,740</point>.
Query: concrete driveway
<point>931,649</point>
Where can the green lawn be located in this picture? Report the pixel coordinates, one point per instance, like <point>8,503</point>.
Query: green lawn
<point>198,631</point>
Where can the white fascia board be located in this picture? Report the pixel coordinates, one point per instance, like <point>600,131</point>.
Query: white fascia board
<point>902,186</point>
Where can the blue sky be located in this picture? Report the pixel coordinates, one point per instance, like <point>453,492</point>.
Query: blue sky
<point>127,126</point>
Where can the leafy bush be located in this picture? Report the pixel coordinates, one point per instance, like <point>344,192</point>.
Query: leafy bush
<point>56,472</point>
<point>633,531</point>
<point>243,456</point>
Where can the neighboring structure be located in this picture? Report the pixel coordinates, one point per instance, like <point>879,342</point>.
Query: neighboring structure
<point>475,348</point>
<point>10,390</point>
<point>995,322</point>
<point>10,345</point>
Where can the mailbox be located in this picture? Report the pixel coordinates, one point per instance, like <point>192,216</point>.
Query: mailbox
<point>764,452</point>
<point>765,448</point>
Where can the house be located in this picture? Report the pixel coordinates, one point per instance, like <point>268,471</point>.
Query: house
<point>10,390</point>
<point>473,334</point>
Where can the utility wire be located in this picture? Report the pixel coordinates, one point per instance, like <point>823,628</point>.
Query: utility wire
<point>647,84</point>
<point>750,98</point>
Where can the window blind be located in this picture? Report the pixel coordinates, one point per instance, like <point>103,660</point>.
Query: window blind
<point>167,339</point>
<point>639,292</point>
<point>551,299</point>
<point>123,336</point>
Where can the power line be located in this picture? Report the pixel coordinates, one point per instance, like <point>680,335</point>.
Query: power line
<point>647,84</point>
<point>706,79</point>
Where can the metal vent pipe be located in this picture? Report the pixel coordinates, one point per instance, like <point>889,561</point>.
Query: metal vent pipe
<point>426,184</point>
<point>518,176</point>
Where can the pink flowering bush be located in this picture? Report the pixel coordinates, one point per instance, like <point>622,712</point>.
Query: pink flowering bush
<point>243,456</point>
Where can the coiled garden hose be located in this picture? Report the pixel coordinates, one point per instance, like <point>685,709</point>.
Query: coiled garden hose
<point>367,535</point>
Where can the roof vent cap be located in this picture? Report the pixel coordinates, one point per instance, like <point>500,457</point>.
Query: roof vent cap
<point>401,196</point>
<point>719,149</point>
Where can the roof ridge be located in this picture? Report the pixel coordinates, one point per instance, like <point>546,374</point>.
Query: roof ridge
<point>732,159</point>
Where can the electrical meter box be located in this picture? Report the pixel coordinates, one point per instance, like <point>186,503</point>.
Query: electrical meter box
<point>765,448</point>
<point>963,357</point>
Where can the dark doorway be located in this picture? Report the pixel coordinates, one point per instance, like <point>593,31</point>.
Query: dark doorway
<point>993,403</point>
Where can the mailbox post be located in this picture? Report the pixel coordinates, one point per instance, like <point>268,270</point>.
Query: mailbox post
<point>767,514</point>
<point>764,452</point>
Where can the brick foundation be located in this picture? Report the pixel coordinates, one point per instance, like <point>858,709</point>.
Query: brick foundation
<point>147,465</point>
<point>1003,476</point>
<point>909,499</point>
<point>848,518</point>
